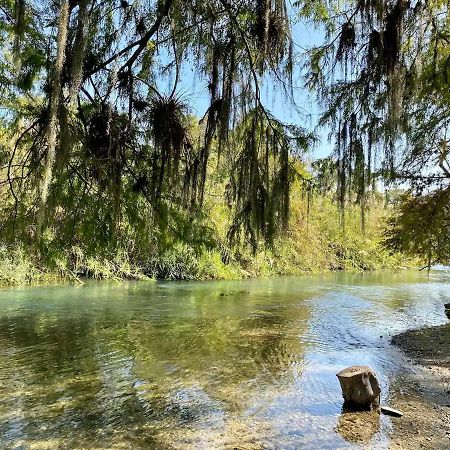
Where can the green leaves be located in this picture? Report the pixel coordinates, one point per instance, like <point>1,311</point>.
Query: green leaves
<point>421,227</point>
<point>316,10</point>
<point>32,63</point>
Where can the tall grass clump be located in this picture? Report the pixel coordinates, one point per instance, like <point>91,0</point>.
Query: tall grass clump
<point>17,268</point>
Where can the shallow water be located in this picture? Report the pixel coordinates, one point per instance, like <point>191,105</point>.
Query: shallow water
<point>246,364</point>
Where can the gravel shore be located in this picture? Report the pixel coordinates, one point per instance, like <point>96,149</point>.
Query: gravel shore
<point>425,399</point>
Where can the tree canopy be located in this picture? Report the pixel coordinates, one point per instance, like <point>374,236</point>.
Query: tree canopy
<point>383,76</point>
<point>84,100</point>
<point>99,141</point>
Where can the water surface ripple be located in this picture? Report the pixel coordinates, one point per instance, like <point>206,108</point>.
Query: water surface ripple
<point>246,364</point>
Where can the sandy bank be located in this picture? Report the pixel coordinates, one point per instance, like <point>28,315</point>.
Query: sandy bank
<point>424,399</point>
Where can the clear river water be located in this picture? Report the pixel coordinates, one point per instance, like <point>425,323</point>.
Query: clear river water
<point>211,365</point>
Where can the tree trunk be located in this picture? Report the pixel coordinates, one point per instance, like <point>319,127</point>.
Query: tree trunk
<point>52,128</point>
<point>360,387</point>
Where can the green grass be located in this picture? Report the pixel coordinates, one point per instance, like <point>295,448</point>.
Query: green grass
<point>17,268</point>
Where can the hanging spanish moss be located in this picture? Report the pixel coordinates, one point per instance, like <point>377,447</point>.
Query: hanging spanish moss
<point>117,128</point>
<point>354,170</point>
<point>261,27</point>
<point>347,41</point>
<point>217,119</point>
<point>359,180</point>
<point>19,30</point>
<point>228,81</point>
<point>392,34</point>
<point>272,31</point>
<point>342,158</point>
<point>366,108</point>
<point>217,115</point>
<point>260,180</point>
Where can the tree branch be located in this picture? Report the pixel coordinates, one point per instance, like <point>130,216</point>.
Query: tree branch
<point>140,43</point>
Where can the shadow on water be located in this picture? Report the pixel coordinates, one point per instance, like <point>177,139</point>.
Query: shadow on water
<point>176,365</point>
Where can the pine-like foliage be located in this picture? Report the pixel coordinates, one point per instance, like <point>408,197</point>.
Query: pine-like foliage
<point>382,77</point>
<point>102,139</point>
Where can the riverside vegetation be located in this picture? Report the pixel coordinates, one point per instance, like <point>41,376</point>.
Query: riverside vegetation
<point>146,139</point>
<point>106,172</point>
<point>312,243</point>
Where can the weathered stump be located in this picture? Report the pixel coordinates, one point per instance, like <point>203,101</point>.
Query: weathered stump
<point>447,309</point>
<point>360,387</point>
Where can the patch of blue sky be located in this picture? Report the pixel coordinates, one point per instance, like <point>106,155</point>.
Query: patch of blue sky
<point>303,109</point>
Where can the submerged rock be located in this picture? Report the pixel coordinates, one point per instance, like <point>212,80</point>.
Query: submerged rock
<point>227,293</point>
<point>360,387</point>
<point>358,427</point>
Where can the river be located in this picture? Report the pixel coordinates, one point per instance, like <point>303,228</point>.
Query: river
<point>221,364</point>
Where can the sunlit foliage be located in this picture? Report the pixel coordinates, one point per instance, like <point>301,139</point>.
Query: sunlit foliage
<point>383,78</point>
<point>102,143</point>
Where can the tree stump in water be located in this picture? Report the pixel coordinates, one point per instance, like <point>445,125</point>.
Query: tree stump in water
<point>360,387</point>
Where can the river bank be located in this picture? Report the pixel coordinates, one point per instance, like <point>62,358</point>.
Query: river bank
<point>290,257</point>
<point>313,243</point>
<point>424,398</point>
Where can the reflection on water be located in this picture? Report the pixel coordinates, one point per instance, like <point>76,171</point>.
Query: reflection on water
<point>248,364</point>
<point>358,427</point>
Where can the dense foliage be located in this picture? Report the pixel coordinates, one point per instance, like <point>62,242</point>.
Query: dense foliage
<point>383,76</point>
<point>98,149</point>
<point>103,159</point>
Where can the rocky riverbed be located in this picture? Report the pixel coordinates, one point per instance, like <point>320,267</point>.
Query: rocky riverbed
<point>424,398</point>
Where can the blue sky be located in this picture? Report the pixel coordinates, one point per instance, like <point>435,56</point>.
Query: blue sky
<point>194,90</point>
